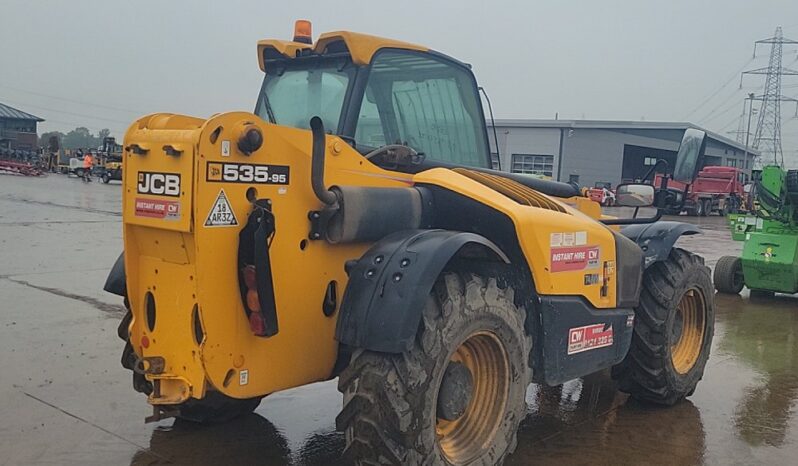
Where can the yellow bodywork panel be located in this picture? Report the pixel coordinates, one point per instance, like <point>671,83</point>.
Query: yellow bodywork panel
<point>560,248</point>
<point>184,263</point>
<point>362,47</point>
<point>187,192</point>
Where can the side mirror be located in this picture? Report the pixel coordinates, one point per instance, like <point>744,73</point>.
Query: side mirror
<point>634,195</point>
<point>690,156</point>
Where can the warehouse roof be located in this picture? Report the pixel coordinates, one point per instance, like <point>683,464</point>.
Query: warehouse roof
<point>617,125</point>
<point>11,112</point>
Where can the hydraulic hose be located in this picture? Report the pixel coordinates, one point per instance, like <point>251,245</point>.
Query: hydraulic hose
<point>317,163</point>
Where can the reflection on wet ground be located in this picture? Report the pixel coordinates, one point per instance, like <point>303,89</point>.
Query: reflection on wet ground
<point>743,412</point>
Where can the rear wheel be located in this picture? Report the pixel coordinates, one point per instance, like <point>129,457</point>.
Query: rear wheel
<point>728,275</point>
<point>701,208</point>
<point>456,396</point>
<point>79,172</point>
<point>673,329</point>
<point>214,408</point>
<point>106,178</point>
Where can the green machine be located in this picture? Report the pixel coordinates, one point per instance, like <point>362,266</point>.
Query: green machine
<point>769,262</point>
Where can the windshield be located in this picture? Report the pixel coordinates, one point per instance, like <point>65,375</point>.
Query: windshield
<point>294,91</point>
<point>425,102</point>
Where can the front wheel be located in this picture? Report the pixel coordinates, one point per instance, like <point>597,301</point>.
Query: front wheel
<point>673,329</point>
<point>728,275</point>
<point>456,396</point>
<point>106,178</point>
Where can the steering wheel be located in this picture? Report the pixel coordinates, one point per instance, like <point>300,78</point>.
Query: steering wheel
<point>394,152</point>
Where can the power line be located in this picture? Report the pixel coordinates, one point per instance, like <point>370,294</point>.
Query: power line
<point>717,91</point>
<point>709,117</point>
<point>90,104</point>
<point>65,112</point>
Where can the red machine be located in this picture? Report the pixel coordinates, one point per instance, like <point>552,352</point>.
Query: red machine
<point>715,189</point>
<point>602,193</point>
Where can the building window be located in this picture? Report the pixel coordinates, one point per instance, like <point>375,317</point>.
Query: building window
<point>533,164</point>
<point>494,160</point>
<point>731,162</point>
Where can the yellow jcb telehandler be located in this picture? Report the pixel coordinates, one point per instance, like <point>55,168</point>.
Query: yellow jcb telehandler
<point>352,227</point>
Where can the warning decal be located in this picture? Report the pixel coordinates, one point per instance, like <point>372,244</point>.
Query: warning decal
<point>589,338</point>
<point>575,258</point>
<point>157,208</point>
<point>221,214</point>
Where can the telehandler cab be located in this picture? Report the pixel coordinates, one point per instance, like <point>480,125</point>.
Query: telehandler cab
<point>352,227</point>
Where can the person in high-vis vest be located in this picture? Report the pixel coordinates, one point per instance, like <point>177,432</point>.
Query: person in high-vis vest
<point>88,162</point>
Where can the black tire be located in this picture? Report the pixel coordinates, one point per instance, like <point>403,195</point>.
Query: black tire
<point>214,408</point>
<point>648,371</point>
<point>390,415</point>
<point>701,208</point>
<point>724,211</point>
<point>728,276</point>
<point>106,178</point>
<point>791,181</point>
<point>79,172</point>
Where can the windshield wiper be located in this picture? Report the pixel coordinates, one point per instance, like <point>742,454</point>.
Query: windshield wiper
<point>269,111</point>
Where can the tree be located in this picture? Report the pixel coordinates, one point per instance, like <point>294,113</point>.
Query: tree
<point>102,134</point>
<point>79,138</point>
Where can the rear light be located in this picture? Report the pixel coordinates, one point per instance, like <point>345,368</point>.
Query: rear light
<point>249,277</point>
<point>256,323</point>
<point>252,301</point>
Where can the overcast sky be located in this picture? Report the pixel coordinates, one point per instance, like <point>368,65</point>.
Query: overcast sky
<point>102,63</point>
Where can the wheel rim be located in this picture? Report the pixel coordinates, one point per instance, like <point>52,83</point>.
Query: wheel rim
<point>687,336</point>
<point>463,439</point>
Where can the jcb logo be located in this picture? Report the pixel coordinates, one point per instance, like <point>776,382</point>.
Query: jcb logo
<point>162,184</point>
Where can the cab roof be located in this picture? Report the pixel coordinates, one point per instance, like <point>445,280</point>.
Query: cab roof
<point>361,47</point>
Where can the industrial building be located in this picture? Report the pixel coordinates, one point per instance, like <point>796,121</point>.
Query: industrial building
<point>18,130</point>
<point>589,152</point>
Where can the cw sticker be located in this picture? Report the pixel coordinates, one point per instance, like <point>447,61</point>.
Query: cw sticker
<point>589,337</point>
<point>575,258</point>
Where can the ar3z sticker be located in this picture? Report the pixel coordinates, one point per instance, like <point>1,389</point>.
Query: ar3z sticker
<point>224,172</point>
<point>221,214</point>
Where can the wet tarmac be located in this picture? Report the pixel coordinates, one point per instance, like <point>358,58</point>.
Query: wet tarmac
<point>64,398</point>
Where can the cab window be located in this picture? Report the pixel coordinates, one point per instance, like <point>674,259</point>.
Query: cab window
<point>295,91</point>
<point>425,102</point>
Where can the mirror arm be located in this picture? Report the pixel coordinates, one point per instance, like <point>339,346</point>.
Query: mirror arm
<point>632,221</point>
<point>653,169</point>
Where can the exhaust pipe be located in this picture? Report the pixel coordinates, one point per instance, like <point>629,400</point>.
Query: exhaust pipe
<point>317,164</point>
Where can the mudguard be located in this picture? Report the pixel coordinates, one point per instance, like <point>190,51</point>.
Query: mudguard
<point>657,239</point>
<point>115,283</point>
<point>389,285</point>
